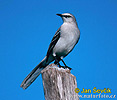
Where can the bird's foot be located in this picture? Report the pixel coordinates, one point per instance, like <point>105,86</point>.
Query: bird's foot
<point>62,66</point>
<point>68,67</point>
<point>57,63</point>
<point>65,67</point>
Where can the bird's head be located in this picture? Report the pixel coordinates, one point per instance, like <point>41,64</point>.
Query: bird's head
<point>67,17</point>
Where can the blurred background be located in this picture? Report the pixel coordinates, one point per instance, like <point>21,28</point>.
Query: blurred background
<point>26,29</point>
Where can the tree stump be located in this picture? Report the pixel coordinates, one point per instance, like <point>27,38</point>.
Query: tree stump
<point>59,83</point>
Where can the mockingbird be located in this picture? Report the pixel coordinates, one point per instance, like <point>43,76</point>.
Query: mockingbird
<point>61,45</point>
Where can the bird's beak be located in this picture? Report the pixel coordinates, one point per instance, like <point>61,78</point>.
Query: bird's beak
<point>59,15</point>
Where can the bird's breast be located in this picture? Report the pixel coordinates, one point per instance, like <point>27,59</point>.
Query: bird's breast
<point>68,38</point>
<point>70,35</point>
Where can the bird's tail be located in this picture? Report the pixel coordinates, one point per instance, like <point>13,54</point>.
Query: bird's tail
<point>34,74</point>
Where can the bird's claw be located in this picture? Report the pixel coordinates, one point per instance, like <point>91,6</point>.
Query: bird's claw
<point>65,67</point>
<point>68,67</point>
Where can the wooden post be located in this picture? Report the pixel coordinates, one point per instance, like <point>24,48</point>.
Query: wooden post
<point>59,83</point>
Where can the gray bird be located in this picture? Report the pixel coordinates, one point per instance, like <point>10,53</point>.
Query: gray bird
<point>62,44</point>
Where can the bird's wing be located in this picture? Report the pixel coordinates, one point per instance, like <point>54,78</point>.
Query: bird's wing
<point>53,42</point>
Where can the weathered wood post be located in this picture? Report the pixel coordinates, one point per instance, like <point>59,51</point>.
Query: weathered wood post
<point>59,83</point>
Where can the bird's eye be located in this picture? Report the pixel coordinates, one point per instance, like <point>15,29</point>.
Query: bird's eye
<point>67,16</point>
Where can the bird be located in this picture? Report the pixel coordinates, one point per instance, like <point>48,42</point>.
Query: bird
<point>62,43</point>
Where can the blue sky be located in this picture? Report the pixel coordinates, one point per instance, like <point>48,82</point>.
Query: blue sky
<point>26,29</point>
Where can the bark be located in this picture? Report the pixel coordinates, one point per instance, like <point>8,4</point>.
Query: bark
<point>59,83</point>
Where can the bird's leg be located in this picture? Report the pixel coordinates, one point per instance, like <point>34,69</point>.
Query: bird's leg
<point>57,61</point>
<point>66,65</point>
